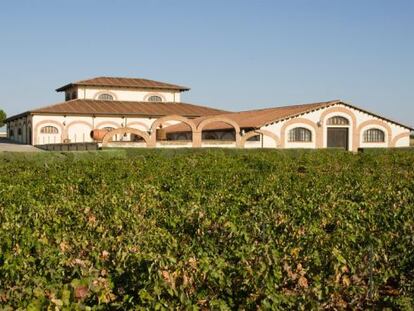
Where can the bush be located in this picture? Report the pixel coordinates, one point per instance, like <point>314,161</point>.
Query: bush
<point>207,229</point>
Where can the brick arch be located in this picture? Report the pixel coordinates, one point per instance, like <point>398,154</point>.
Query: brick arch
<point>66,130</point>
<point>117,125</point>
<point>397,138</point>
<point>197,140</point>
<point>157,122</point>
<point>257,132</point>
<point>44,122</point>
<point>322,130</point>
<point>374,123</point>
<point>124,130</point>
<point>129,124</point>
<point>299,121</point>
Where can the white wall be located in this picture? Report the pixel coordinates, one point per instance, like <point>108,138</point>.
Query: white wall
<point>128,95</point>
<point>360,117</point>
<point>78,128</point>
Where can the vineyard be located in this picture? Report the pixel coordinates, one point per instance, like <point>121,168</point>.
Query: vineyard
<point>207,229</point>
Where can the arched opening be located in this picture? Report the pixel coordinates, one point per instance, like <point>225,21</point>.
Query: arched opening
<point>174,131</point>
<point>43,138</point>
<point>78,132</point>
<point>259,139</point>
<point>300,134</point>
<point>105,96</point>
<point>337,120</point>
<point>129,137</point>
<point>219,132</point>
<point>49,134</point>
<point>338,132</point>
<point>49,129</point>
<point>374,135</point>
<point>155,98</point>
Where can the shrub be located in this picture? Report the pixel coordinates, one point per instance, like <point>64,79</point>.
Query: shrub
<point>207,229</point>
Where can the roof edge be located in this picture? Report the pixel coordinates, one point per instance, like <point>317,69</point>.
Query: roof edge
<point>70,85</point>
<point>17,116</point>
<point>168,86</point>
<point>338,102</point>
<point>378,116</point>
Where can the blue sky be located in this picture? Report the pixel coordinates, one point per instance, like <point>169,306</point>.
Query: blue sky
<point>235,55</point>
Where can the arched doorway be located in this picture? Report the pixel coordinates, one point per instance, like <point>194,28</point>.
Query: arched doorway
<point>338,132</point>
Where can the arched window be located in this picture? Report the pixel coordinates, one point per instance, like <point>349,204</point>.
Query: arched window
<point>374,136</point>
<point>105,96</point>
<point>300,134</point>
<point>19,131</point>
<point>11,133</point>
<point>338,120</point>
<point>49,130</point>
<point>154,98</point>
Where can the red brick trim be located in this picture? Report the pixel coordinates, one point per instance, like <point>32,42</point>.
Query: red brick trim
<point>158,122</point>
<point>67,127</point>
<point>197,140</point>
<point>298,121</point>
<point>45,122</point>
<point>398,137</point>
<point>372,124</point>
<point>124,130</point>
<point>322,130</point>
<point>258,132</point>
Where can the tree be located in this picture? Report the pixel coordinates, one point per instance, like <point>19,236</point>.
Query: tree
<point>2,118</point>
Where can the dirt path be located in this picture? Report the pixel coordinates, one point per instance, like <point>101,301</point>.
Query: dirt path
<point>7,145</point>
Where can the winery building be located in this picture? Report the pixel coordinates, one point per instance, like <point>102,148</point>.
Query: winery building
<point>128,112</point>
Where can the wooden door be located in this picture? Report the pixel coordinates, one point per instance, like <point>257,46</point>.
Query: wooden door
<point>338,137</point>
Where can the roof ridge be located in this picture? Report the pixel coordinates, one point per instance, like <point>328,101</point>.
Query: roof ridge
<point>125,82</point>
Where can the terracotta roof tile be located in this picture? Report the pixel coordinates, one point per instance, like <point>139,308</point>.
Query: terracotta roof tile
<point>102,107</point>
<point>135,83</point>
<point>255,118</point>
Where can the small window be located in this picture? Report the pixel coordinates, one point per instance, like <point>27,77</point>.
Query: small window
<point>49,130</point>
<point>67,96</point>
<point>11,133</point>
<point>337,120</point>
<point>154,98</point>
<point>106,97</point>
<point>19,131</point>
<point>374,136</point>
<point>74,95</point>
<point>300,134</point>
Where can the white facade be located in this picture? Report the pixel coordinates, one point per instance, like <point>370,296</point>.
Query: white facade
<point>58,128</point>
<point>122,94</point>
<point>359,122</point>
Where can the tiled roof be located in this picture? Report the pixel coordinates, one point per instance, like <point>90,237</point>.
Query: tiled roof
<point>258,118</point>
<point>255,118</point>
<point>123,108</point>
<point>134,83</point>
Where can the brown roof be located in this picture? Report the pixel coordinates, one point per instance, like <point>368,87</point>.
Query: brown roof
<point>123,108</point>
<point>261,117</point>
<point>134,83</point>
<point>255,118</point>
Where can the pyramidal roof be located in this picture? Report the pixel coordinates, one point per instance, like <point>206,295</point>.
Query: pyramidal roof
<point>134,83</point>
